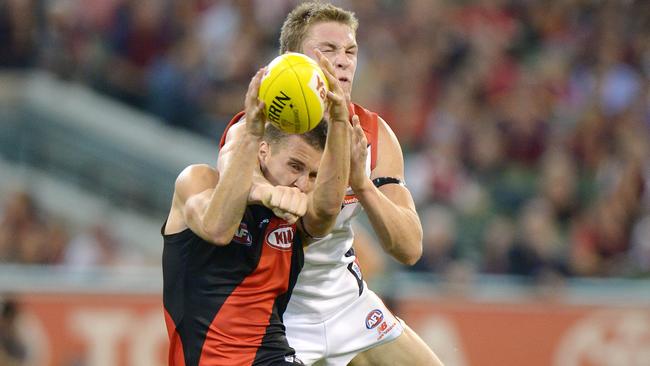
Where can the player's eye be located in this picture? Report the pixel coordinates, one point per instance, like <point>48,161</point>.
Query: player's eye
<point>296,167</point>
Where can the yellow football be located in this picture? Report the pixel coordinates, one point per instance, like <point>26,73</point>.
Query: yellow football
<point>294,90</point>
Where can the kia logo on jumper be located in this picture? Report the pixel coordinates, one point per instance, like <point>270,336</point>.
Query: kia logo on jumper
<point>281,238</point>
<point>374,318</point>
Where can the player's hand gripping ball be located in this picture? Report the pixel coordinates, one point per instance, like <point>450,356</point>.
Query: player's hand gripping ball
<point>294,92</point>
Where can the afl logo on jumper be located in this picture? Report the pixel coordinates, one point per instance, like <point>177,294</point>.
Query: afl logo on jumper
<point>242,235</point>
<point>281,238</point>
<point>374,318</point>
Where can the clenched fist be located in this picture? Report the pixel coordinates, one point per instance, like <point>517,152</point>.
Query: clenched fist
<point>287,203</point>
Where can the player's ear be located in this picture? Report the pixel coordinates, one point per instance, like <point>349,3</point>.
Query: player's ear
<point>264,152</point>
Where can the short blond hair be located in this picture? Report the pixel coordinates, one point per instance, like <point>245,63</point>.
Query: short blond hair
<point>296,26</point>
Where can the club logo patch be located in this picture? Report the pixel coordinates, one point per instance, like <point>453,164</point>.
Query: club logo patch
<point>374,318</point>
<point>350,199</point>
<point>242,235</point>
<point>281,238</point>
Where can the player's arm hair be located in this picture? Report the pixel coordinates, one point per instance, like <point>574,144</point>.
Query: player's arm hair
<point>390,208</point>
<point>331,181</point>
<point>212,204</point>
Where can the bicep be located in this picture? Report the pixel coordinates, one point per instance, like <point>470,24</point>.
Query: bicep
<point>390,160</point>
<point>193,210</point>
<point>193,191</point>
<point>390,163</point>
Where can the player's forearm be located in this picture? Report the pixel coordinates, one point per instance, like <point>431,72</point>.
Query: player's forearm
<point>260,184</point>
<point>331,181</point>
<point>397,227</point>
<point>259,188</point>
<point>228,202</point>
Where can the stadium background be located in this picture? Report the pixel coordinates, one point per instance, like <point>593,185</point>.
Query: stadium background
<point>525,131</point>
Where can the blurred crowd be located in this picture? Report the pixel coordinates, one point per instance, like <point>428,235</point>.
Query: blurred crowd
<point>525,124</point>
<point>31,235</point>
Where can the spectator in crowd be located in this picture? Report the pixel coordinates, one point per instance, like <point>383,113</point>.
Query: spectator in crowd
<point>439,243</point>
<point>13,351</point>
<point>93,247</point>
<point>23,231</point>
<point>17,33</point>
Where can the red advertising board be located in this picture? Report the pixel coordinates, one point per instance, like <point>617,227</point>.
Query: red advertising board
<point>94,330</point>
<point>120,329</point>
<point>531,333</point>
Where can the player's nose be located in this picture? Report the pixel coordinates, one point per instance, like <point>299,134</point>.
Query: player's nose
<point>341,59</point>
<point>303,183</point>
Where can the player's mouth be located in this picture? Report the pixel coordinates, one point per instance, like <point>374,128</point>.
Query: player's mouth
<point>344,80</point>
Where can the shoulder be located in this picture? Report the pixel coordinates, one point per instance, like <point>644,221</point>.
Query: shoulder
<point>194,179</point>
<point>367,117</point>
<point>386,134</point>
<point>390,159</point>
<point>232,128</point>
<point>372,121</point>
<point>198,172</point>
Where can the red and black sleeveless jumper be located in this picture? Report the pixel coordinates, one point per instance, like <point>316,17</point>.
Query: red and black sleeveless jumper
<point>224,304</point>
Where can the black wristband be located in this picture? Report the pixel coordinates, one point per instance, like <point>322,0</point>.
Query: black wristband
<point>378,182</point>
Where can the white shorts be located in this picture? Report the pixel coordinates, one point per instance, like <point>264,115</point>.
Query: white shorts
<point>364,324</point>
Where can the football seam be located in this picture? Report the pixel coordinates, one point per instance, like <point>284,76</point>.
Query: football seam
<point>302,92</point>
<point>271,83</point>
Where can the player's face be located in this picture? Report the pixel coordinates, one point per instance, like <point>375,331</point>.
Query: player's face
<point>291,163</point>
<point>338,43</point>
